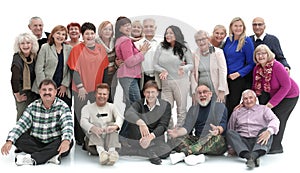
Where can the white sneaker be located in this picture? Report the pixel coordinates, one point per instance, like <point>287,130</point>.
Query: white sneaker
<point>55,160</point>
<point>194,159</point>
<point>176,157</point>
<point>24,160</point>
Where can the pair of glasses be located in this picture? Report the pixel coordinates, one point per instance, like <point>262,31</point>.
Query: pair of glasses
<point>201,39</point>
<point>203,92</point>
<point>257,24</point>
<point>261,53</point>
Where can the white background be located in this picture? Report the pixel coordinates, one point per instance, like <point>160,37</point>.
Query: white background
<point>281,19</point>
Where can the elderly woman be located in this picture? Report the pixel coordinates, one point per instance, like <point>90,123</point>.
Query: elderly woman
<point>275,88</point>
<point>209,67</point>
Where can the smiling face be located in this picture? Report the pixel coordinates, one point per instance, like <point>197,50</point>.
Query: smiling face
<point>249,99</point>
<point>151,94</point>
<point>36,26</point>
<point>74,32</point>
<point>258,26</point>
<point>202,42</point>
<point>102,95</point>
<point>59,36</point>
<point>219,35</point>
<point>47,93</point>
<point>126,29</point>
<point>89,38</point>
<point>107,31</point>
<point>170,36</point>
<point>25,47</point>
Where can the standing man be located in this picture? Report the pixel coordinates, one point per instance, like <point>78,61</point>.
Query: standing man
<point>260,37</point>
<point>251,129</point>
<point>148,73</point>
<point>44,131</point>
<point>36,26</point>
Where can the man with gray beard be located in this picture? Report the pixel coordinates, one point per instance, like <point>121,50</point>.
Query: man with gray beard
<point>203,130</point>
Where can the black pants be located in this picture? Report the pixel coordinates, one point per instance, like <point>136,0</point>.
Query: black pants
<point>283,111</point>
<point>40,152</point>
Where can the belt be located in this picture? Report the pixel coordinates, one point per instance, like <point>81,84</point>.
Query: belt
<point>149,74</point>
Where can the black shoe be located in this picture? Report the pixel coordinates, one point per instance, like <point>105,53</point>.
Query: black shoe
<point>153,158</point>
<point>278,151</point>
<point>250,163</point>
<point>79,142</point>
<point>257,162</point>
<point>17,150</point>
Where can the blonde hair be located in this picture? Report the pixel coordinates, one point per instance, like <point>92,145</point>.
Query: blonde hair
<point>263,47</point>
<point>241,41</point>
<point>220,27</point>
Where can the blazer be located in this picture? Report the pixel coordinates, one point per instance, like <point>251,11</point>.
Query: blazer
<point>218,71</point>
<point>46,64</point>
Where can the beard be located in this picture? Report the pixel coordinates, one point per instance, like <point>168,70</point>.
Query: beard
<point>203,103</point>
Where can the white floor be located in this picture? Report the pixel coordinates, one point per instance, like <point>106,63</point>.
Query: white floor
<point>79,160</point>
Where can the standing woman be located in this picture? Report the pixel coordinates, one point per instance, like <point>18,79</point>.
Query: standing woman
<point>275,89</point>
<point>106,38</point>
<point>209,68</point>
<point>129,72</point>
<point>52,63</point>
<point>22,70</point>
<point>238,50</point>
<point>74,33</point>
<point>173,60</point>
<point>88,61</point>
<point>218,36</point>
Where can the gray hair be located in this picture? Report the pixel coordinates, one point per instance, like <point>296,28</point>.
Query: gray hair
<point>26,37</point>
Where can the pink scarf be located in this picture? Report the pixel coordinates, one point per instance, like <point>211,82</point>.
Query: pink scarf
<point>266,73</point>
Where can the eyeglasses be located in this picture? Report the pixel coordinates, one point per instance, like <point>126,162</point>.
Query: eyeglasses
<point>261,53</point>
<point>201,39</point>
<point>203,92</point>
<point>257,24</point>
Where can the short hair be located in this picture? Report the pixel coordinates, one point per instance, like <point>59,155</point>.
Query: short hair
<point>34,18</point>
<point>200,32</point>
<point>150,84</point>
<point>149,19</point>
<point>26,37</point>
<point>73,24</point>
<point>54,30</point>
<point>103,86</point>
<point>263,47</point>
<point>47,81</point>
<point>87,26</point>
<point>220,27</point>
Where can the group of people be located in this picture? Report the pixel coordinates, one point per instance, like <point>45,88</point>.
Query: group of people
<point>225,76</point>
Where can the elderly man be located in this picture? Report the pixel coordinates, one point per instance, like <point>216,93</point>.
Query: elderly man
<point>202,131</point>
<point>250,129</point>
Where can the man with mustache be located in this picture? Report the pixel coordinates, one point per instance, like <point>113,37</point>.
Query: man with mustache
<point>203,130</point>
<point>44,131</point>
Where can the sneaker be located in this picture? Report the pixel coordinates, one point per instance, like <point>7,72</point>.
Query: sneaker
<point>55,160</point>
<point>194,159</point>
<point>103,157</point>
<point>113,157</point>
<point>24,160</point>
<point>250,163</point>
<point>177,157</point>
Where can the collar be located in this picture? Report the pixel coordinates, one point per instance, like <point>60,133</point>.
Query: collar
<point>156,104</point>
<point>261,37</point>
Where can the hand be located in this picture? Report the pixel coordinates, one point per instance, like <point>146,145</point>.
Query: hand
<point>64,146</point>
<point>119,62</point>
<point>233,76</point>
<point>62,91</point>
<point>6,148</point>
<point>97,130</point>
<point>180,71</point>
<point>238,106</point>
<point>173,133</point>
<point>264,137</point>
<point>144,130</point>
<point>163,75</point>
<point>221,96</point>
<point>82,93</point>
<point>145,141</point>
<point>111,129</point>
<point>214,130</point>
<point>145,47</point>
<point>19,97</point>
<point>269,105</point>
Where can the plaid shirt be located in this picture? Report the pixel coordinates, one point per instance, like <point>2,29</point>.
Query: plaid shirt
<point>46,125</point>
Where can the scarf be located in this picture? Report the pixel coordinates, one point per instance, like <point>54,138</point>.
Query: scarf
<point>26,71</point>
<point>266,73</point>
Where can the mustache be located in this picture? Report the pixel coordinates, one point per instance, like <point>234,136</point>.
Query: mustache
<point>47,94</point>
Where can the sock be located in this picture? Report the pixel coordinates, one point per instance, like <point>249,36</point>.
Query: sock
<point>100,149</point>
<point>112,149</point>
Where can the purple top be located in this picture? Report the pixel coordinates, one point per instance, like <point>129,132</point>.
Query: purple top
<point>248,122</point>
<point>282,85</point>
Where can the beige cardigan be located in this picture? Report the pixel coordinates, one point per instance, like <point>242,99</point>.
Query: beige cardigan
<point>218,71</point>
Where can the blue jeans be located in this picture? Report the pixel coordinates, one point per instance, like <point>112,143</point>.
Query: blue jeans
<point>131,93</point>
